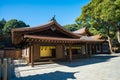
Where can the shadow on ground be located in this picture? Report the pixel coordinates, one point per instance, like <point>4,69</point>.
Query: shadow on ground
<point>88,61</point>
<point>58,75</point>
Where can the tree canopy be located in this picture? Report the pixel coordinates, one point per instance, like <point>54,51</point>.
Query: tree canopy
<point>2,23</point>
<point>103,16</point>
<point>13,23</point>
<point>71,27</point>
<point>5,29</point>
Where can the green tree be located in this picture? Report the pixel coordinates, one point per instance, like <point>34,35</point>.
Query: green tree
<point>103,15</point>
<point>71,27</point>
<point>6,30</point>
<point>13,23</point>
<point>2,23</point>
<point>93,30</point>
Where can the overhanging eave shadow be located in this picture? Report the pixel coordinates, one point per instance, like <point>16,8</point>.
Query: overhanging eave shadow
<point>57,75</point>
<point>88,61</point>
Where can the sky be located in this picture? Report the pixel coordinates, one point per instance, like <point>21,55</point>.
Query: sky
<point>36,12</point>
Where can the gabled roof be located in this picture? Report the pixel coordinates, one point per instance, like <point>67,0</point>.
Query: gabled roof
<point>82,31</point>
<point>18,33</point>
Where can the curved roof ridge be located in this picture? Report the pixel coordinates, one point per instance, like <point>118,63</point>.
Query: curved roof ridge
<point>45,26</point>
<point>33,27</point>
<point>40,28</point>
<point>80,31</point>
<point>63,29</point>
<point>97,36</point>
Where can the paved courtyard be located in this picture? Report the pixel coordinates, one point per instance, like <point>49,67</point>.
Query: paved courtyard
<point>99,67</point>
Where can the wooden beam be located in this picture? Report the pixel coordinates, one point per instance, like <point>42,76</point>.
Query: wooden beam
<point>58,41</point>
<point>36,40</point>
<point>61,41</point>
<point>42,40</point>
<point>32,40</point>
<point>49,41</point>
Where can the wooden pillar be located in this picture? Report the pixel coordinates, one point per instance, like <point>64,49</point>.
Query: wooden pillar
<point>93,51</point>
<point>32,55</point>
<point>30,51</point>
<point>95,48</point>
<point>86,48</point>
<point>70,52</point>
<point>90,48</point>
<point>101,47</point>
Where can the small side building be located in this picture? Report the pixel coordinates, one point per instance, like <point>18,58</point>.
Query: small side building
<point>93,48</point>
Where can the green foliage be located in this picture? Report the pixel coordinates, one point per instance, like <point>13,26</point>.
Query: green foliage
<point>5,30</point>
<point>71,27</point>
<point>94,31</point>
<point>102,15</point>
<point>2,23</point>
<point>13,23</point>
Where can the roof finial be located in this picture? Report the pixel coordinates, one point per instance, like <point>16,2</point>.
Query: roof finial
<point>53,18</point>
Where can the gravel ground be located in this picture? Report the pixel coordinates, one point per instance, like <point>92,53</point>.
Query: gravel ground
<point>99,67</point>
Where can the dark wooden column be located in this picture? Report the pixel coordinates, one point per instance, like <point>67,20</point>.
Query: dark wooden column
<point>90,48</point>
<point>32,55</point>
<point>86,48</point>
<point>95,48</point>
<point>101,47</point>
<point>70,52</point>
